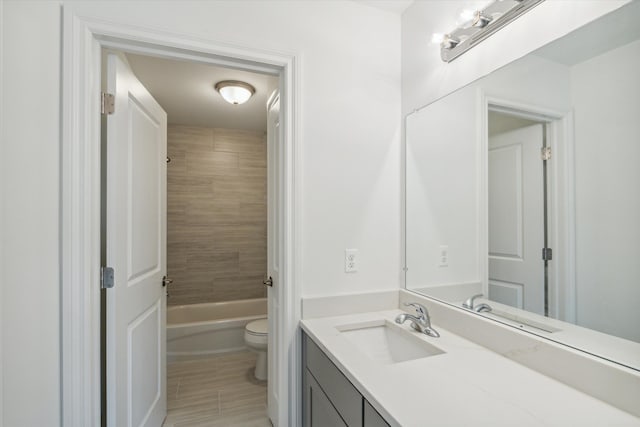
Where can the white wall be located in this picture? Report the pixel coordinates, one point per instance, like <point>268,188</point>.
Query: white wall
<point>29,170</point>
<point>350,107</point>
<point>607,196</point>
<point>425,77</point>
<point>350,114</point>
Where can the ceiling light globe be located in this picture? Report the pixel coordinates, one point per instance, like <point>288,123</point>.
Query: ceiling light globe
<point>235,92</point>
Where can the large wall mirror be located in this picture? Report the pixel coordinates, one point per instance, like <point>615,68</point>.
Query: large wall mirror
<point>523,192</point>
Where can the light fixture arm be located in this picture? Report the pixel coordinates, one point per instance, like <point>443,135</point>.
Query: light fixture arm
<point>485,22</point>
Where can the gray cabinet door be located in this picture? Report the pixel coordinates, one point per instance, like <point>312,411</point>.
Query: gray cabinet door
<point>329,398</point>
<point>372,418</point>
<point>341,393</point>
<point>318,411</point>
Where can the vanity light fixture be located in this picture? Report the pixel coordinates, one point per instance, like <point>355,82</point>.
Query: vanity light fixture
<point>481,20</point>
<point>449,42</point>
<point>481,24</point>
<point>235,92</point>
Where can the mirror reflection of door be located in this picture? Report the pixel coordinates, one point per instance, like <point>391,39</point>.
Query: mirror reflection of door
<point>516,213</point>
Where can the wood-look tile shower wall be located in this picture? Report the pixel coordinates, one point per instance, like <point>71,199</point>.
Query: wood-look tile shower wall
<point>216,214</point>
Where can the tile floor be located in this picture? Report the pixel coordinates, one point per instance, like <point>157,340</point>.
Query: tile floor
<point>217,391</point>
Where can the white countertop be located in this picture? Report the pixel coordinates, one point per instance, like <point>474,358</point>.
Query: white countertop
<point>467,385</point>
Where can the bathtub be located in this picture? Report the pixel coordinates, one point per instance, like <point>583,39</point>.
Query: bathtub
<point>198,330</point>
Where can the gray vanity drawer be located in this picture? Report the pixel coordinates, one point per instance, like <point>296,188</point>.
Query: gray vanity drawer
<point>342,394</point>
<point>372,418</point>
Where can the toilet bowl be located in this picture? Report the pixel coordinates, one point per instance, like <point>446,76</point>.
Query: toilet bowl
<point>256,338</point>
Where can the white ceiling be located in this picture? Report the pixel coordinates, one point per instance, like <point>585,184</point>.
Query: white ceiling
<point>393,6</point>
<point>185,91</point>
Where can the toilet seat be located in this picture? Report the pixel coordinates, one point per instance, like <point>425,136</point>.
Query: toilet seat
<point>257,327</point>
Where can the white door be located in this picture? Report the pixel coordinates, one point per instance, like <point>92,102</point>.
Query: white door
<point>516,219</point>
<point>136,240</point>
<point>274,254</point>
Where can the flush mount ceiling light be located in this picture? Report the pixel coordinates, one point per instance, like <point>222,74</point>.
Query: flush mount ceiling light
<point>235,92</point>
<point>479,25</point>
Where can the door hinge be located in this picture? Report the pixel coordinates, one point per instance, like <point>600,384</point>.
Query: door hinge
<point>545,153</point>
<point>547,254</point>
<point>107,277</point>
<point>107,103</point>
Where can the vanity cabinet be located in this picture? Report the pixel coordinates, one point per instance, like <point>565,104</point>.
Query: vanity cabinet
<point>371,417</point>
<point>318,409</point>
<point>329,397</point>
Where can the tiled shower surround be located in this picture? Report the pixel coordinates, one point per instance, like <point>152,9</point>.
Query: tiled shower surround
<point>216,214</point>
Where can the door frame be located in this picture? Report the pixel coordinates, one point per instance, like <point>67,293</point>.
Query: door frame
<point>561,197</point>
<point>83,40</point>
<point>271,248</point>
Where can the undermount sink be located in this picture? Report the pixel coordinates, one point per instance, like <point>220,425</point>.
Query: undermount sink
<point>386,342</point>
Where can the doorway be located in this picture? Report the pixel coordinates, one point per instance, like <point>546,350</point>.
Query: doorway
<point>517,199</point>
<point>81,155</point>
<point>544,169</point>
<point>214,204</point>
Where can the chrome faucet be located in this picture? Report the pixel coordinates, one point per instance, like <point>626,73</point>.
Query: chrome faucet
<point>469,303</point>
<point>421,322</point>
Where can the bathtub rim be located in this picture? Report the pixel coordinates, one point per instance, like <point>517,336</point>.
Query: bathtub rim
<point>218,303</point>
<point>226,322</point>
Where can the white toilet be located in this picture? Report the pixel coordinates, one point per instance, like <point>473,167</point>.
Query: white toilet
<point>256,337</point>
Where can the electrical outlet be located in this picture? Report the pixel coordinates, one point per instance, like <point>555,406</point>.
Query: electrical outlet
<point>350,260</point>
<point>443,258</point>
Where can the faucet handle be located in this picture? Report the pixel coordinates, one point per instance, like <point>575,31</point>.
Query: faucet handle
<point>420,309</point>
<point>469,302</point>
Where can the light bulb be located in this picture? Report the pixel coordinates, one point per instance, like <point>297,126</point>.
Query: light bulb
<point>437,38</point>
<point>467,15</point>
